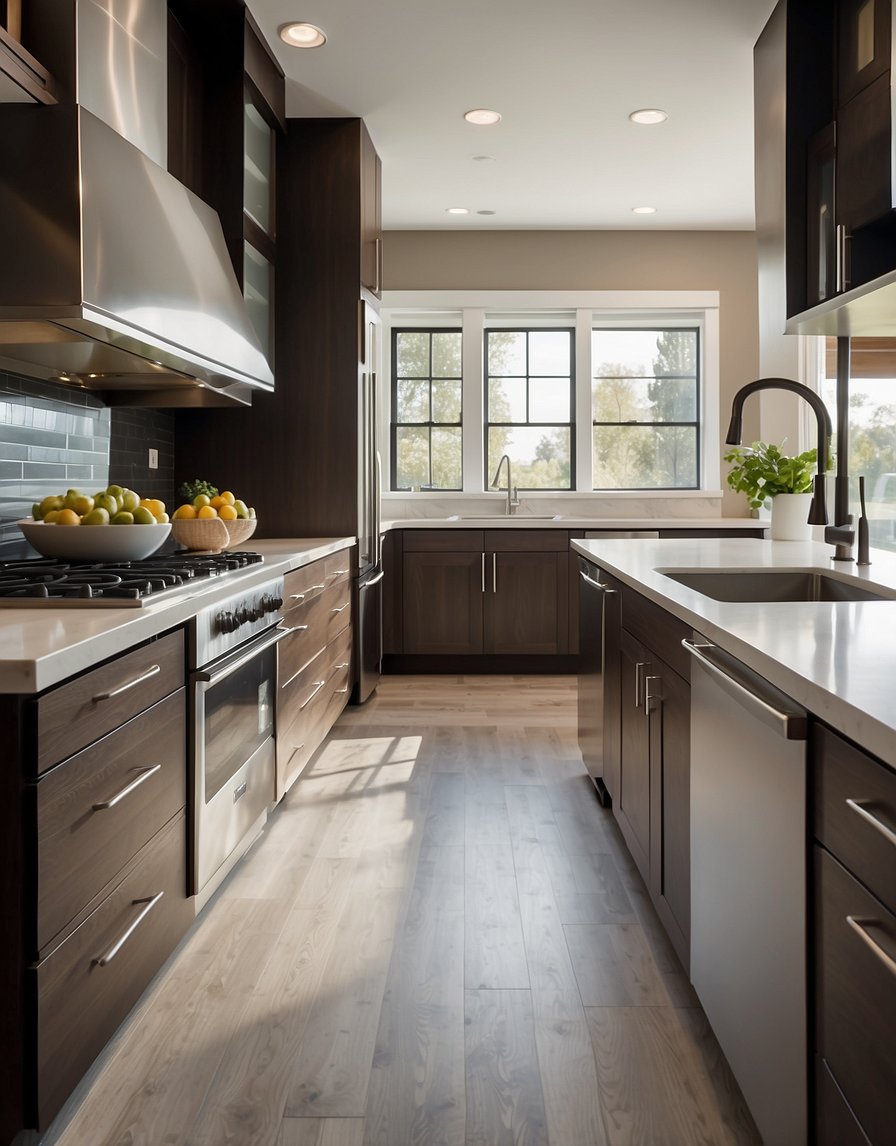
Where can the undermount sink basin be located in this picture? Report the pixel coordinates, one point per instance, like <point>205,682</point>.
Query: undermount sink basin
<point>774,585</point>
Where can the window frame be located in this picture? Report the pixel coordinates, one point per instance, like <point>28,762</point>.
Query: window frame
<point>395,425</point>
<point>475,309</point>
<point>487,424</point>
<point>697,423</point>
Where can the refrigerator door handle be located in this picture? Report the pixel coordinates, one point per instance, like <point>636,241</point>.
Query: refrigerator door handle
<point>377,522</point>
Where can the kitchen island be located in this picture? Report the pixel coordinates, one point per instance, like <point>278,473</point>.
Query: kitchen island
<point>752,779</point>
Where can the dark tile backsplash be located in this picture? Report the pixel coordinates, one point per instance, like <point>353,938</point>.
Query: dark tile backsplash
<point>53,436</point>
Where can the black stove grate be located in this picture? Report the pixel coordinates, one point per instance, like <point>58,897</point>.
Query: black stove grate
<point>44,578</point>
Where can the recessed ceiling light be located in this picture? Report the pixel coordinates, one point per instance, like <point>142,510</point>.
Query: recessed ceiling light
<point>482,116</point>
<point>457,210</point>
<point>643,210</point>
<point>486,212</point>
<point>302,35</point>
<point>648,115</point>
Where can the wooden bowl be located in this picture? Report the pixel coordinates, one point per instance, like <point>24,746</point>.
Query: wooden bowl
<point>212,534</point>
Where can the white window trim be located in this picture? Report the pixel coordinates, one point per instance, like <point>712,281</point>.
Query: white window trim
<point>589,308</point>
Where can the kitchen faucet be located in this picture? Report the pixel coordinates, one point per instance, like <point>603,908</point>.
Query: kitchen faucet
<point>818,514</point>
<point>512,500</point>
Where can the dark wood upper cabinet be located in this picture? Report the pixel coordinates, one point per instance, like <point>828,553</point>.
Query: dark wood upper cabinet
<point>864,45</point>
<point>23,77</point>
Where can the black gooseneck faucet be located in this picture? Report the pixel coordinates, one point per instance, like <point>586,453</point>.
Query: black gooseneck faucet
<point>818,514</point>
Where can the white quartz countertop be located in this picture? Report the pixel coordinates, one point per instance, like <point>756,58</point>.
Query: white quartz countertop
<point>838,659</point>
<point>40,647</point>
<point>572,521</point>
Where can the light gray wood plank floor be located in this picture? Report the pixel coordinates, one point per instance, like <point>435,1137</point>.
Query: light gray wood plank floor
<point>439,940</point>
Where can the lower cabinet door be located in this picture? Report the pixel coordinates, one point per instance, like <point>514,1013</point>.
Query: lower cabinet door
<point>856,1000</point>
<point>633,803</point>
<point>526,603</point>
<point>442,607</point>
<point>83,990</point>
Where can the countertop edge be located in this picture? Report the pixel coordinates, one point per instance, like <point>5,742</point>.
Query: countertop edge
<point>68,641</point>
<point>719,622</point>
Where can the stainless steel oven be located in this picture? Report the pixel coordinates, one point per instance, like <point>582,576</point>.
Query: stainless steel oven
<point>234,685</point>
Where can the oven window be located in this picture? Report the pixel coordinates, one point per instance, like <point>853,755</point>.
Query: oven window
<point>239,717</point>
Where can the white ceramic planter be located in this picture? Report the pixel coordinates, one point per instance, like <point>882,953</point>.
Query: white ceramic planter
<point>789,517</point>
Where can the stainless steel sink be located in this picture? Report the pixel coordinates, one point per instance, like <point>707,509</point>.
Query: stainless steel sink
<point>775,585</point>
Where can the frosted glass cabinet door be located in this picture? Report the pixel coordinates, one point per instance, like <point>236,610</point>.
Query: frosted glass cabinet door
<point>258,290</point>
<point>258,182</point>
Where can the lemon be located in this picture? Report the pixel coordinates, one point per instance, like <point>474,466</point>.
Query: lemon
<point>201,500</point>
<point>162,518</point>
<point>129,500</point>
<point>227,513</point>
<point>54,501</point>
<point>206,511</point>
<point>108,502</point>
<point>143,516</point>
<point>227,497</point>
<point>123,517</point>
<point>50,518</point>
<point>115,491</point>
<point>184,513</point>
<point>67,517</point>
<point>82,504</point>
<point>98,516</point>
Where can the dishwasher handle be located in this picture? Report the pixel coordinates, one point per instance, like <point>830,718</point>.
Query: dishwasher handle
<point>762,700</point>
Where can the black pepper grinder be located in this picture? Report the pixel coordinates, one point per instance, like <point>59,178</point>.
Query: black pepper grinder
<point>863,557</point>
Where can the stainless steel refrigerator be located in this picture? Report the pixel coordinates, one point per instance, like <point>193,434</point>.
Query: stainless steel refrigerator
<point>368,589</point>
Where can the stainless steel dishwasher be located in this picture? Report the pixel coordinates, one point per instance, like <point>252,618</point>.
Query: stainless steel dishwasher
<point>748,883</point>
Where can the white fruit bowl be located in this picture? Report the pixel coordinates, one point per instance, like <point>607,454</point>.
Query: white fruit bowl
<point>94,542</point>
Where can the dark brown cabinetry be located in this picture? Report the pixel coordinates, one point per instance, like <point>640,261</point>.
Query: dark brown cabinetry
<point>294,454</point>
<point>313,662</point>
<point>485,593</point>
<point>646,752</point>
<point>854,901</point>
<point>23,79</point>
<point>824,181</point>
<point>95,897</point>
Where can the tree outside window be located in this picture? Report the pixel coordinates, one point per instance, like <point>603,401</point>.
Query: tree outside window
<point>427,433</point>
<point>645,408</point>
<point>529,403</point>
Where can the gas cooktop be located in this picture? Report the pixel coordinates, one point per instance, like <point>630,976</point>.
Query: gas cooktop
<point>49,583</point>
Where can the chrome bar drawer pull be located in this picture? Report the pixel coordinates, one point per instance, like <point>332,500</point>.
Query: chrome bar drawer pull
<point>153,670</point>
<point>340,608</point>
<point>858,926</point>
<point>596,584</point>
<point>149,903</point>
<point>858,806</point>
<point>126,791</point>
<point>318,686</point>
<point>651,699</point>
<point>640,666</point>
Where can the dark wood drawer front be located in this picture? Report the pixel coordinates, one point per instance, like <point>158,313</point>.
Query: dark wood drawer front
<point>315,624</point>
<point>308,707</point>
<point>78,1002</point>
<point>855,811</point>
<point>86,708</point>
<point>835,1123</point>
<point>659,630</point>
<point>856,976</point>
<point>302,586</point>
<point>526,540</point>
<point>96,811</point>
<point>443,541</point>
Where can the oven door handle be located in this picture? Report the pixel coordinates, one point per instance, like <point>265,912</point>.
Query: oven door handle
<point>261,646</point>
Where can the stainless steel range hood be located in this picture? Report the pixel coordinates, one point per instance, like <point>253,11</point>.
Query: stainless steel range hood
<point>115,276</point>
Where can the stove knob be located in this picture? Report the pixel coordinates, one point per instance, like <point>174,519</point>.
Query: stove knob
<point>277,603</point>
<point>225,622</point>
<point>242,616</point>
<point>255,614</point>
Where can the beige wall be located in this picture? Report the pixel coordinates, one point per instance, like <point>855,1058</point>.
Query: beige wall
<point>600,260</point>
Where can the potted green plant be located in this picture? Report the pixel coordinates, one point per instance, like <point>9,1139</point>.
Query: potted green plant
<point>770,477</point>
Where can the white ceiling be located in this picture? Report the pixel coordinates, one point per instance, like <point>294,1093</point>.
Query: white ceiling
<point>564,76</point>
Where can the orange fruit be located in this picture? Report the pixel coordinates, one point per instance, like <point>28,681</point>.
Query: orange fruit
<point>184,513</point>
<point>206,511</point>
<point>227,497</point>
<point>227,513</point>
<point>218,501</point>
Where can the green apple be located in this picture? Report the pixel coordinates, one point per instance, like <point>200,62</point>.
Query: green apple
<point>129,500</point>
<point>143,516</point>
<point>123,517</point>
<point>115,491</point>
<point>97,516</point>
<point>108,502</point>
